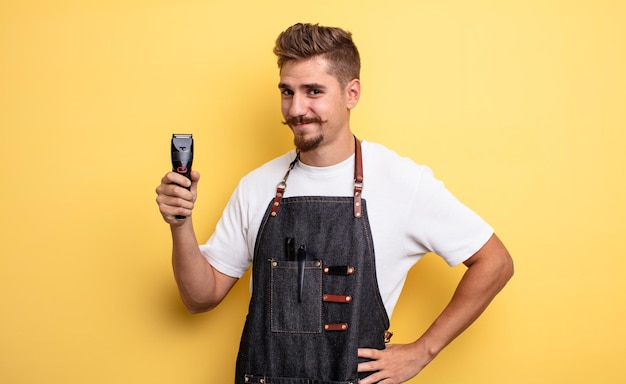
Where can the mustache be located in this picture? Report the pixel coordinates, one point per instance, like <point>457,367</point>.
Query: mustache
<point>302,120</point>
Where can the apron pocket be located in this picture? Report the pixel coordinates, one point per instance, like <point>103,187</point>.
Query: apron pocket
<point>296,307</point>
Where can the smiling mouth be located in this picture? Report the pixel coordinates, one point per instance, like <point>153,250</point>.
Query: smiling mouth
<point>300,125</point>
<point>299,121</point>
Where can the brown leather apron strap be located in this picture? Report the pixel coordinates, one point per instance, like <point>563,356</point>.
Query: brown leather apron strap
<point>280,188</point>
<point>358,178</point>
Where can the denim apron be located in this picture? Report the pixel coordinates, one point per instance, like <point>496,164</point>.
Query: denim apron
<point>315,298</point>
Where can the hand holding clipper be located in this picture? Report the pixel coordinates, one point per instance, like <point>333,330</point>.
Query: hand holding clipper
<point>182,157</point>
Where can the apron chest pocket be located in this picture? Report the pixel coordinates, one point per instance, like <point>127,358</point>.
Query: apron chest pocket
<point>296,296</point>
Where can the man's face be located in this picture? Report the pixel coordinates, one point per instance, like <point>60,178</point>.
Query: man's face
<point>313,103</point>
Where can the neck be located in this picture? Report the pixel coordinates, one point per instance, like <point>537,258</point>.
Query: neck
<point>330,153</point>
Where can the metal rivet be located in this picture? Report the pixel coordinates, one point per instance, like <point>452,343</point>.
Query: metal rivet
<point>344,327</point>
<point>274,264</point>
<point>318,263</point>
<point>357,204</point>
<point>276,203</point>
<point>273,213</point>
<point>326,326</point>
<point>326,270</point>
<point>358,214</point>
<point>350,270</point>
<point>348,298</point>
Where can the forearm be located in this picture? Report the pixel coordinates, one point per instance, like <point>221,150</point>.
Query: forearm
<point>194,275</point>
<point>482,281</point>
<point>488,271</point>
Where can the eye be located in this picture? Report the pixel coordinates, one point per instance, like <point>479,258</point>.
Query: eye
<point>286,92</point>
<point>315,91</point>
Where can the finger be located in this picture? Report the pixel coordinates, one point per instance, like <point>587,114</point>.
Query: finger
<point>180,215</point>
<point>172,214</point>
<point>367,366</point>
<point>372,364</point>
<point>172,200</point>
<point>176,178</point>
<point>195,177</point>
<point>175,196</point>
<point>368,353</point>
<point>375,377</point>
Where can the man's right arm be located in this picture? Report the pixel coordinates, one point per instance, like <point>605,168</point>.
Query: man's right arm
<point>201,286</point>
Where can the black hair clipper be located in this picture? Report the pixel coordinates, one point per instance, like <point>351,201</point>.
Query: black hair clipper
<point>182,157</point>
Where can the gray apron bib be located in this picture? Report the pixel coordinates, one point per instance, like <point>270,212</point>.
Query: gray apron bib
<point>315,295</point>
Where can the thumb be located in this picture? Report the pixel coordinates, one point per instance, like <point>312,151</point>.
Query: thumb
<point>195,177</point>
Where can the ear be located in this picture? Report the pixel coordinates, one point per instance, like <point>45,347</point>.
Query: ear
<point>353,91</point>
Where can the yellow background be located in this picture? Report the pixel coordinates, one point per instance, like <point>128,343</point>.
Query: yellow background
<point>519,106</point>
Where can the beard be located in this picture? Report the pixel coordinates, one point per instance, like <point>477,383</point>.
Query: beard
<point>303,144</point>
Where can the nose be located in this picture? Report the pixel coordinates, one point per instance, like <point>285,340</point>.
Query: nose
<point>297,106</point>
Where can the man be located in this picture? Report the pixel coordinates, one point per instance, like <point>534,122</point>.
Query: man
<point>331,245</point>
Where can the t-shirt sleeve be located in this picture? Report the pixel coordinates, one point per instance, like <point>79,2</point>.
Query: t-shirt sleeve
<point>443,224</point>
<point>227,248</point>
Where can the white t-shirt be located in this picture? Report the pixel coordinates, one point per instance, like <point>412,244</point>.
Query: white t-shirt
<point>410,213</point>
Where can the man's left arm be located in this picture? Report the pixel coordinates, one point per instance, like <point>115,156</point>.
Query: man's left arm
<point>488,271</point>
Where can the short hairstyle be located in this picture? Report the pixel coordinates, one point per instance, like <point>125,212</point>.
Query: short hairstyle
<point>304,41</point>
